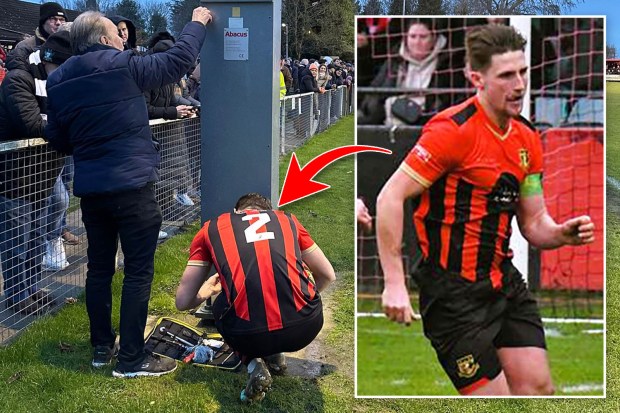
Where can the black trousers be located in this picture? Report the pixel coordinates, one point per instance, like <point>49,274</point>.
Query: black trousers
<point>135,217</point>
<point>252,345</point>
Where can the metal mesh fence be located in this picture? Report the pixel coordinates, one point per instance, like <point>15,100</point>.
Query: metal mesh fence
<point>43,241</point>
<point>302,116</point>
<point>42,238</point>
<point>178,189</point>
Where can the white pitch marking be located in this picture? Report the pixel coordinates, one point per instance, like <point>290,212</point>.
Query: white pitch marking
<point>582,388</point>
<point>613,182</point>
<point>592,331</point>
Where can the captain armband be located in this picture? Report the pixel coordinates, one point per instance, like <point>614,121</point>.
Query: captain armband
<point>531,185</point>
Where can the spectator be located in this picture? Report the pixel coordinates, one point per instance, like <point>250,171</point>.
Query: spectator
<point>280,309</point>
<point>301,69</point>
<point>182,95</point>
<point>55,257</point>
<point>288,77</point>
<point>23,192</point>
<point>126,30</point>
<point>308,79</point>
<point>309,84</point>
<point>295,74</point>
<point>351,71</point>
<point>323,79</point>
<point>338,79</point>
<point>422,62</point>
<point>282,81</point>
<point>161,103</point>
<point>116,163</point>
<point>193,83</point>
<point>51,17</point>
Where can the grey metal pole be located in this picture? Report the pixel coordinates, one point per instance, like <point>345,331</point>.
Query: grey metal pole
<point>240,103</point>
<point>286,36</point>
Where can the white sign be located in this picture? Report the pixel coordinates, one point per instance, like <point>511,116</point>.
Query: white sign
<point>235,22</point>
<point>236,44</point>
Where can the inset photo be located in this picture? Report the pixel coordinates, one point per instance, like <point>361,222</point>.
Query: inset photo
<point>480,239</point>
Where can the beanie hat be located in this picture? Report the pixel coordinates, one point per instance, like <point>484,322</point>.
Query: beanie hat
<point>157,37</point>
<point>304,62</point>
<point>314,66</point>
<point>48,10</point>
<point>57,48</point>
<point>162,46</point>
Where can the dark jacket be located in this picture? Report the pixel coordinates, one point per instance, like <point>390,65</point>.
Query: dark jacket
<point>27,46</point>
<point>338,80</point>
<point>308,82</point>
<point>29,172</point>
<point>97,111</point>
<point>131,30</point>
<point>21,103</point>
<point>300,74</point>
<point>161,102</point>
<point>295,75</point>
<point>445,76</point>
<point>288,77</point>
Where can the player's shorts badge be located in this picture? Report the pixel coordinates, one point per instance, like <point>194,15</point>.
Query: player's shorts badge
<point>524,159</point>
<point>467,366</point>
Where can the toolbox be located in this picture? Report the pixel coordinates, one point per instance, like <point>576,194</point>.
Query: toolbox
<point>180,341</point>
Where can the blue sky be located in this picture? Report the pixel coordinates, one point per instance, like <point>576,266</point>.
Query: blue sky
<point>602,7</point>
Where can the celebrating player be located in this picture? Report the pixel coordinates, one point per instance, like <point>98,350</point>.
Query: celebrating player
<point>476,166</point>
<point>271,303</point>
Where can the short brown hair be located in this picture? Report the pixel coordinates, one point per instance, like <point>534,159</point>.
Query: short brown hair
<point>483,42</point>
<point>253,200</point>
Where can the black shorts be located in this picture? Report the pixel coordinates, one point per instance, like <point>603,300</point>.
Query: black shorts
<point>467,322</point>
<point>251,345</point>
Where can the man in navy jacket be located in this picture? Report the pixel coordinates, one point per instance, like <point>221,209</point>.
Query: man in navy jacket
<point>97,112</point>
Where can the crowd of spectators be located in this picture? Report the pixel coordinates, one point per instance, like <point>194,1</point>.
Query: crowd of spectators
<point>312,75</point>
<point>86,89</point>
<point>34,202</point>
<point>613,67</point>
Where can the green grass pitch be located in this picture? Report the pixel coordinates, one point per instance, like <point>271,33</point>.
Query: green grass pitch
<point>405,361</point>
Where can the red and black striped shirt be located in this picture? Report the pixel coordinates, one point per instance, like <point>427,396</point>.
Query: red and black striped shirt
<point>258,255</point>
<point>473,172</point>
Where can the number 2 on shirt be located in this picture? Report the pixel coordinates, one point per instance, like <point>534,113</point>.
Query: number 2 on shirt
<point>251,232</point>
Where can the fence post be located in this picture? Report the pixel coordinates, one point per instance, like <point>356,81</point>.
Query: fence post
<point>282,126</point>
<point>329,107</point>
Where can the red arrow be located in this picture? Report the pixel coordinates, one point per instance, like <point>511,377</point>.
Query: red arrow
<point>298,183</point>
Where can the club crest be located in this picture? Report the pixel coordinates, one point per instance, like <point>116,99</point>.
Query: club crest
<point>467,367</point>
<point>524,159</point>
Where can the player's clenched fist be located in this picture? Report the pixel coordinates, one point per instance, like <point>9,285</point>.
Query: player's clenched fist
<point>396,304</point>
<point>579,230</point>
<point>202,15</point>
